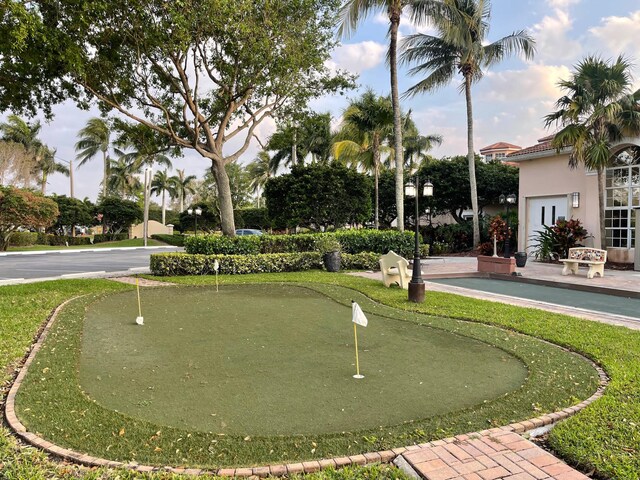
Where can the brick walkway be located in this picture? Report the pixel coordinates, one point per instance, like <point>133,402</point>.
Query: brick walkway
<point>497,455</point>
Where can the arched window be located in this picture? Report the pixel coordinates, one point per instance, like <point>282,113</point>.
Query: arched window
<point>622,196</point>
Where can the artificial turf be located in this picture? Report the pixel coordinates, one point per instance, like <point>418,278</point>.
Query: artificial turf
<point>52,403</point>
<point>278,359</point>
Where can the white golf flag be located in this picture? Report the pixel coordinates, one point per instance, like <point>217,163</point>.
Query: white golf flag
<point>216,266</point>
<point>357,315</point>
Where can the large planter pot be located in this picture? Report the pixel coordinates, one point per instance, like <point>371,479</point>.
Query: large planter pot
<point>332,261</point>
<point>521,259</point>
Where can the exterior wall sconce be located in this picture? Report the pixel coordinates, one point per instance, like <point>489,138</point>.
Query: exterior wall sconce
<point>575,199</point>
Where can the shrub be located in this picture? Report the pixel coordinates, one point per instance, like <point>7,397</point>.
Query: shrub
<point>110,237</point>
<point>23,239</point>
<point>554,242</point>
<point>351,241</point>
<point>170,264</point>
<point>175,239</point>
<point>61,240</point>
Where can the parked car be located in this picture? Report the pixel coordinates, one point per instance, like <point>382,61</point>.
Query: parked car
<point>248,231</point>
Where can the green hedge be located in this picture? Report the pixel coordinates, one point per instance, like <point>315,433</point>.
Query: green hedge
<point>100,238</point>
<point>62,240</point>
<point>23,239</point>
<point>352,241</point>
<point>176,240</point>
<point>170,264</point>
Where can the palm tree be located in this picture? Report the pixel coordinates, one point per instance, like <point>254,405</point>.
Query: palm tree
<point>416,146</point>
<point>93,139</point>
<point>183,185</point>
<point>46,165</point>
<point>260,170</point>
<point>365,124</point>
<point>123,179</point>
<point>161,185</point>
<point>352,12</point>
<point>18,131</point>
<point>598,110</point>
<point>461,47</point>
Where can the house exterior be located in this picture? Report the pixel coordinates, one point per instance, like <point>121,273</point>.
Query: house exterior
<point>498,151</point>
<point>550,189</point>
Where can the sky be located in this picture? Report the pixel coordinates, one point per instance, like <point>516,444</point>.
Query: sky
<point>509,102</point>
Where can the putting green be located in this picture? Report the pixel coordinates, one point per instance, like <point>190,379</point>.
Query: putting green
<point>271,359</point>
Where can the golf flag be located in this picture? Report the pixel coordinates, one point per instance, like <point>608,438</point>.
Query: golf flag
<point>358,318</point>
<point>216,267</point>
<point>357,315</point>
<point>139,318</point>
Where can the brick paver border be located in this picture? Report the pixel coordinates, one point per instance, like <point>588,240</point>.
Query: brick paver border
<point>385,456</point>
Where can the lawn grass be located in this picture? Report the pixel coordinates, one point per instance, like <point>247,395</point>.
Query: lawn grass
<point>23,309</point>
<point>51,403</point>
<point>132,242</point>
<point>604,437</point>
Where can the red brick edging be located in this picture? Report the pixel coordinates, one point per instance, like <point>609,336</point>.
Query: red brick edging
<point>385,456</point>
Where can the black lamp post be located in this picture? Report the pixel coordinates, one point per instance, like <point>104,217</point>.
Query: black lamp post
<point>198,212</point>
<point>416,285</point>
<point>508,200</point>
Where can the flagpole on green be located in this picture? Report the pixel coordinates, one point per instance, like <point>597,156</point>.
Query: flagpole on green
<point>358,318</point>
<point>355,336</point>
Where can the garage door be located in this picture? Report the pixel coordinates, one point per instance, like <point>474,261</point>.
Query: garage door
<point>544,211</point>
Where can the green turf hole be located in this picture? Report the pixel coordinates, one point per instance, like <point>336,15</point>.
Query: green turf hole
<point>277,360</point>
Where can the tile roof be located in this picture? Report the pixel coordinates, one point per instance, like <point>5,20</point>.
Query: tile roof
<point>498,145</point>
<point>543,145</point>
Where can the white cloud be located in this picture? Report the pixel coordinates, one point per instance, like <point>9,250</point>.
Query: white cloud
<point>357,57</point>
<point>563,4</point>
<point>552,35</point>
<point>619,34</point>
<point>536,82</point>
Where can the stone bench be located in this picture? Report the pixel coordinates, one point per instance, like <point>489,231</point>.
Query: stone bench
<point>593,257</point>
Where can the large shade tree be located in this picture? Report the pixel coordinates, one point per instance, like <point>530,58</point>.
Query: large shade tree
<point>200,73</point>
<point>460,46</point>
<point>598,110</point>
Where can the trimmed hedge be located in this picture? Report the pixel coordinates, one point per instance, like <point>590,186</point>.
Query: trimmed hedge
<point>62,240</point>
<point>23,239</point>
<point>101,238</point>
<point>176,240</point>
<point>170,264</point>
<point>351,241</point>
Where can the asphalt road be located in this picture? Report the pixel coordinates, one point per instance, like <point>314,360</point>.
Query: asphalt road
<point>74,264</point>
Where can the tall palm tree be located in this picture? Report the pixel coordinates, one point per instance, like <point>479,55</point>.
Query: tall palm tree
<point>598,110</point>
<point>123,179</point>
<point>365,124</point>
<point>47,165</point>
<point>161,185</point>
<point>351,13</point>
<point>184,185</point>
<point>260,170</point>
<point>461,47</point>
<point>93,139</point>
<point>16,130</point>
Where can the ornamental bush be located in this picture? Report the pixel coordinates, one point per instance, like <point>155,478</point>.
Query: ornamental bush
<point>176,240</point>
<point>61,240</point>
<point>23,239</point>
<point>351,241</point>
<point>175,264</point>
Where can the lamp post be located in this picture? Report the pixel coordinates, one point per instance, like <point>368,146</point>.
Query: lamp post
<point>198,212</point>
<point>508,200</point>
<point>416,285</point>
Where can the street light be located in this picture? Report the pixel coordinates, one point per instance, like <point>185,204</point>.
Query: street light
<point>198,212</point>
<point>508,200</point>
<point>416,285</point>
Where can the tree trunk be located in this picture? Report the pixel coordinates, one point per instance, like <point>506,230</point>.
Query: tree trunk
<point>472,162</point>
<point>394,16</point>
<point>181,200</point>
<point>43,187</point>
<point>163,208</point>
<point>376,170</point>
<point>601,208</point>
<point>71,178</point>
<point>105,159</point>
<point>224,198</point>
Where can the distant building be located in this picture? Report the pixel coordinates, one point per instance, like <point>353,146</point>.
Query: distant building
<point>499,151</point>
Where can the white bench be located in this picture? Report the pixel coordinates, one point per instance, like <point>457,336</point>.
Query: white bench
<point>395,269</point>
<point>593,257</point>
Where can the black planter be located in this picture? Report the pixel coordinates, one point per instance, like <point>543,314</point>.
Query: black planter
<point>521,259</point>
<point>332,261</point>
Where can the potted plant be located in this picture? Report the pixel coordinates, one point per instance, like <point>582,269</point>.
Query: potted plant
<point>330,249</point>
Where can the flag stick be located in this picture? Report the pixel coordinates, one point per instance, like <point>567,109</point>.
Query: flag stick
<point>355,336</point>
<point>139,319</point>
<point>216,280</point>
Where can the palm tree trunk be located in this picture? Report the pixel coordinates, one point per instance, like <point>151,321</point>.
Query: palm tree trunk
<point>224,198</point>
<point>163,207</point>
<point>601,207</point>
<point>472,162</point>
<point>43,187</point>
<point>376,170</point>
<point>394,16</point>
<point>105,159</point>
<point>181,193</point>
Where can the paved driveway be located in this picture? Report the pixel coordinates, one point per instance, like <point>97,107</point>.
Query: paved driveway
<point>75,264</point>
